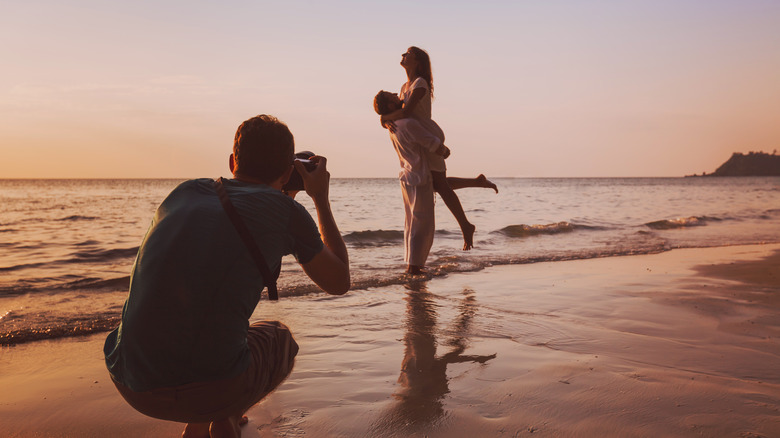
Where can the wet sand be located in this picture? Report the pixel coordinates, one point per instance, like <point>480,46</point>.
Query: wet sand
<point>680,344</point>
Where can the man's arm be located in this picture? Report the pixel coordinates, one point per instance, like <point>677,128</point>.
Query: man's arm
<point>329,269</point>
<point>407,109</point>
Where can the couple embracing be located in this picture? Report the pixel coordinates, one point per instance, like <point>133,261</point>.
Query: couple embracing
<point>419,142</point>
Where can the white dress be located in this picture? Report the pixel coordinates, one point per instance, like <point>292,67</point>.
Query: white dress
<point>411,142</point>
<point>422,112</point>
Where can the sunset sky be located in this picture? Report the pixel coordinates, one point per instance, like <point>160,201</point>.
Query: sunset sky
<point>94,89</point>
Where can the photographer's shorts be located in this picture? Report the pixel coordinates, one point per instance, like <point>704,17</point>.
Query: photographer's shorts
<point>273,352</point>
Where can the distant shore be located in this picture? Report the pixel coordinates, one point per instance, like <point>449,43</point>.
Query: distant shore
<point>751,164</point>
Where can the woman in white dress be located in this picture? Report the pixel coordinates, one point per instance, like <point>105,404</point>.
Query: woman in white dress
<point>417,95</point>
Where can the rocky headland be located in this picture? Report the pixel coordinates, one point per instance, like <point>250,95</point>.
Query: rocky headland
<point>750,164</point>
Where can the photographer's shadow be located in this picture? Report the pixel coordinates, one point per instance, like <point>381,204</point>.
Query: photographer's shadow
<point>423,379</point>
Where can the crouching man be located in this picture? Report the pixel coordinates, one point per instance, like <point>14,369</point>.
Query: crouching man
<point>185,350</point>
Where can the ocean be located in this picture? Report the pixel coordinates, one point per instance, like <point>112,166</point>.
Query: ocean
<point>67,246</point>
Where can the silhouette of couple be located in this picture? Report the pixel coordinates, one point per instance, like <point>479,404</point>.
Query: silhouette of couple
<point>419,142</point>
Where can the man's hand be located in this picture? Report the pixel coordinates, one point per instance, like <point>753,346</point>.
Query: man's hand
<point>316,182</point>
<point>387,124</point>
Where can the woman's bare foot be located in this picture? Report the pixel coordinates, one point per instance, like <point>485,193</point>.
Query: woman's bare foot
<point>484,182</point>
<point>468,237</point>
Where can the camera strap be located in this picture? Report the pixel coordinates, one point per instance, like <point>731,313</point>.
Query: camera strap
<point>268,278</point>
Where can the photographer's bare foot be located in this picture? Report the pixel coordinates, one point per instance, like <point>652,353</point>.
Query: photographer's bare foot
<point>224,428</point>
<point>484,182</point>
<point>196,430</point>
<point>228,428</point>
<point>468,237</point>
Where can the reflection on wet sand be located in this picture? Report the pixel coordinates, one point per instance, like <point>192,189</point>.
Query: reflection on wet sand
<point>423,380</point>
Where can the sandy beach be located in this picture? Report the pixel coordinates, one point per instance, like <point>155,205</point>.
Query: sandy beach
<point>684,343</point>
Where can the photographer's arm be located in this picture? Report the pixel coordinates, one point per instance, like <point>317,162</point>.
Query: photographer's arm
<point>329,269</point>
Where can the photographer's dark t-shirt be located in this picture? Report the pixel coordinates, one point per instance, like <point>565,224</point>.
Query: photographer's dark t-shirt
<point>194,285</point>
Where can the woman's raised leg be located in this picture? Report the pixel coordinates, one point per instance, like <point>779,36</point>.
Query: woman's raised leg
<point>479,182</point>
<point>452,201</point>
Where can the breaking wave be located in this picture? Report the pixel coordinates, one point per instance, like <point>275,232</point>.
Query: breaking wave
<point>76,327</point>
<point>84,285</point>
<point>374,238</point>
<point>76,217</point>
<point>680,222</point>
<point>523,230</point>
<point>89,256</point>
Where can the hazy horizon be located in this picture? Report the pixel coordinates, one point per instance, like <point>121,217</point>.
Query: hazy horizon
<point>523,89</point>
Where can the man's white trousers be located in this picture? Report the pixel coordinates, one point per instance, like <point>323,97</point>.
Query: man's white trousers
<point>419,223</point>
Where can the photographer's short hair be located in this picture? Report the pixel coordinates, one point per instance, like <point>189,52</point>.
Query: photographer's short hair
<point>381,103</point>
<point>263,148</point>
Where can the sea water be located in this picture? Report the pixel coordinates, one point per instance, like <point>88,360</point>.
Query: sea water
<point>67,246</point>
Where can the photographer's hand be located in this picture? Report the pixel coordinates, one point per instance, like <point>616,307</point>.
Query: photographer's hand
<point>316,182</point>
<point>330,268</point>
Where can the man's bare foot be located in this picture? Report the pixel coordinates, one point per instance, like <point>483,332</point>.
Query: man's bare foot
<point>196,430</point>
<point>484,182</point>
<point>468,237</point>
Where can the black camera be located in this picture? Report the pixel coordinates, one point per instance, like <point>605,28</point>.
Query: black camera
<point>296,181</point>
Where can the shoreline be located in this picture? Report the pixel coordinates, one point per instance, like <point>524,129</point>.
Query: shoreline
<point>106,323</point>
<point>679,343</point>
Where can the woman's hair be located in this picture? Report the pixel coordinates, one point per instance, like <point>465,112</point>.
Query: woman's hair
<point>423,66</point>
